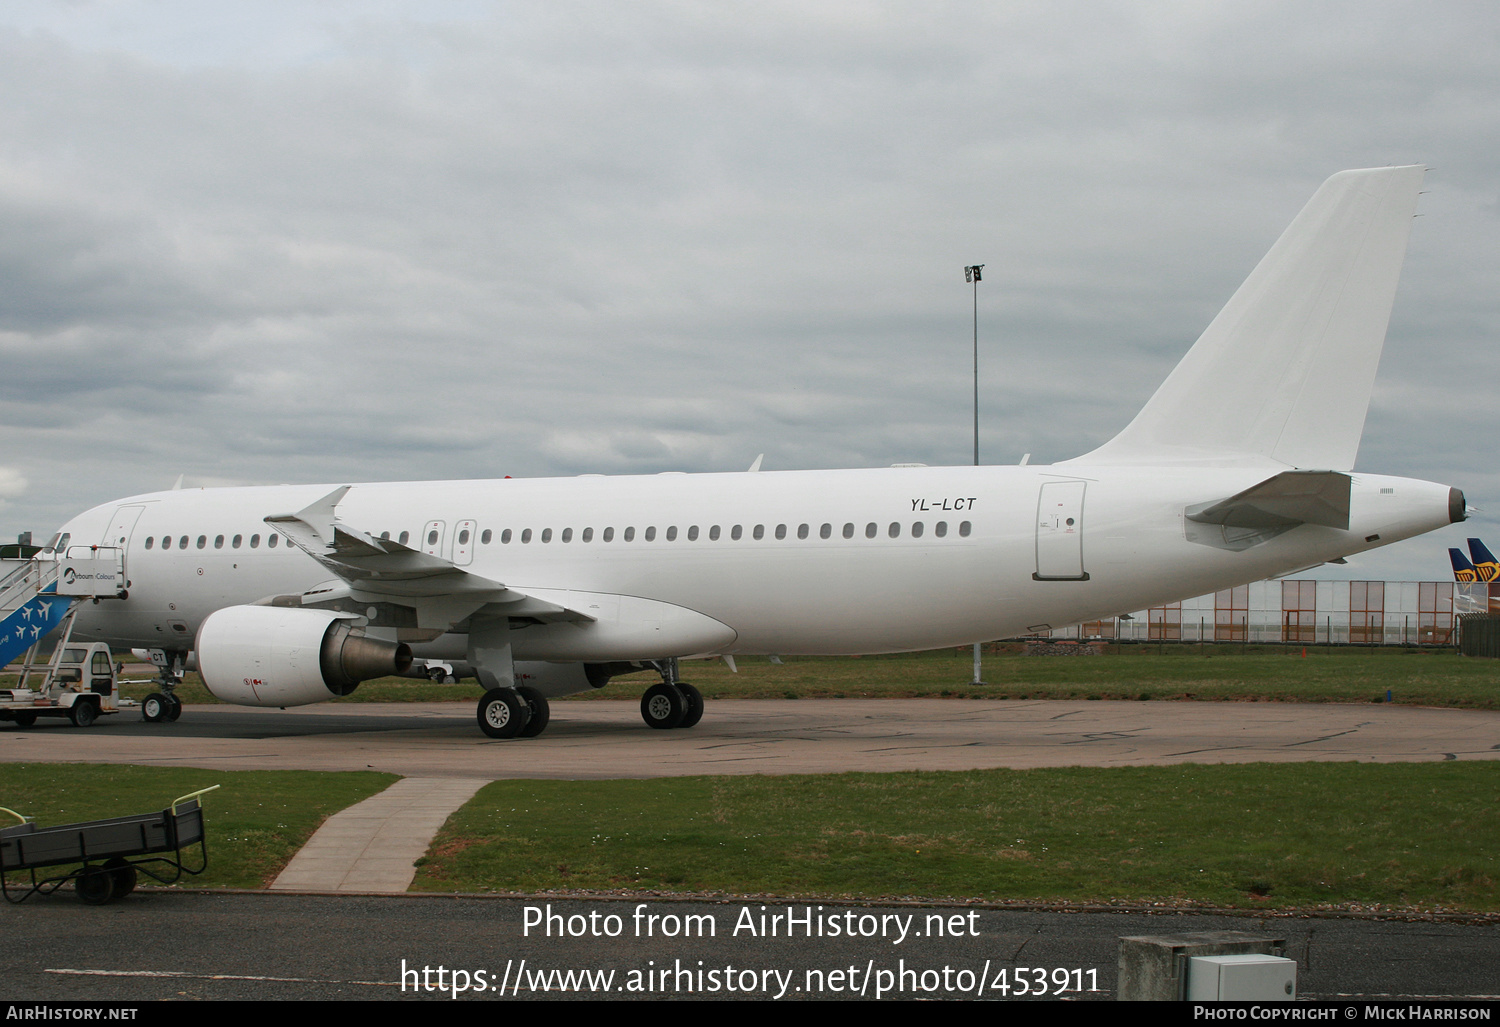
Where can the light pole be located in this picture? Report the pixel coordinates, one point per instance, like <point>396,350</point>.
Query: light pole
<point>972,276</point>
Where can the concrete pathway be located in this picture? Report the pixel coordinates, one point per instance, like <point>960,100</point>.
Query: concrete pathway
<point>372,845</point>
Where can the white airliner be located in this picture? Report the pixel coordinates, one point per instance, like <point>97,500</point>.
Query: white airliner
<point>1238,468</point>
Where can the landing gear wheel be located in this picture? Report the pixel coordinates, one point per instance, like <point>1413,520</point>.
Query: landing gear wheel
<point>540,711</point>
<point>663,706</point>
<point>176,710</point>
<point>96,886</point>
<point>124,877</point>
<point>84,713</point>
<point>694,704</point>
<point>503,713</point>
<point>24,719</point>
<point>154,708</point>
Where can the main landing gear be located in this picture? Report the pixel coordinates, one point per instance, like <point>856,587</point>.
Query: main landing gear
<point>672,703</point>
<point>513,712</point>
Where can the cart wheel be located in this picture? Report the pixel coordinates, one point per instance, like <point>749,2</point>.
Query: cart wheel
<point>95,886</point>
<point>84,713</point>
<point>24,719</point>
<point>123,876</point>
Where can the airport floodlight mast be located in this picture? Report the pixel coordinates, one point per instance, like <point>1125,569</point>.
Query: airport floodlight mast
<point>972,276</point>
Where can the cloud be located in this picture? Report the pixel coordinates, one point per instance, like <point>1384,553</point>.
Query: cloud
<point>360,241</point>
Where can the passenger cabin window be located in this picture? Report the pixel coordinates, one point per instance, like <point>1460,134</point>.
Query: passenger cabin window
<point>940,529</point>
<point>463,537</point>
<point>826,531</point>
<point>916,529</point>
<point>202,541</point>
<point>505,537</point>
<point>693,533</point>
<point>587,535</point>
<point>894,530</point>
<point>849,530</point>
<point>432,537</point>
<point>871,529</point>
<point>546,534</point>
<point>964,528</point>
<point>149,540</point>
<point>609,534</point>
<point>672,533</point>
<point>401,538</point>
<point>802,531</point>
<point>271,541</point>
<point>182,542</point>
<point>218,541</point>
<point>254,541</point>
<point>759,532</point>
<point>484,538</point>
<point>651,534</point>
<point>713,533</point>
<point>525,536</point>
<point>629,534</point>
<point>235,542</point>
<point>735,532</point>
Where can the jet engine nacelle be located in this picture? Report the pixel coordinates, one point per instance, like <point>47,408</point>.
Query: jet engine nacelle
<point>276,656</point>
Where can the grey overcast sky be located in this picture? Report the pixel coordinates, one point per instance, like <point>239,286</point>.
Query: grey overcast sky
<point>346,241</point>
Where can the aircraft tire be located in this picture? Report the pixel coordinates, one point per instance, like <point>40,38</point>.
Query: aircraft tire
<point>84,713</point>
<point>694,704</point>
<point>175,711</point>
<point>663,706</point>
<point>95,886</point>
<point>124,877</point>
<point>540,711</point>
<point>154,708</point>
<point>502,713</point>
<point>23,719</point>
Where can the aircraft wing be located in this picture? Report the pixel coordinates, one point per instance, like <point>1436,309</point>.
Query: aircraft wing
<point>383,568</point>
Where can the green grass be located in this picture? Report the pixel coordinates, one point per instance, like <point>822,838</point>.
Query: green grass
<point>256,821</point>
<point>1432,677</point>
<point>1260,835</point>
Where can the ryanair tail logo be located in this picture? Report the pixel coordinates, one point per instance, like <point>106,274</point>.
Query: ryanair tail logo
<point>1463,570</point>
<point>1485,564</point>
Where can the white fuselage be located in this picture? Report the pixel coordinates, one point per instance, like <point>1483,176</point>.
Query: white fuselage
<point>954,555</point>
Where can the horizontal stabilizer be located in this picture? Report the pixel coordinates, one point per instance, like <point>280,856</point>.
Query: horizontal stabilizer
<point>1284,372</point>
<point>1290,498</point>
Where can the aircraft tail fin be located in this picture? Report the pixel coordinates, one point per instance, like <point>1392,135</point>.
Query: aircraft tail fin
<point>1284,372</point>
<point>1484,562</point>
<point>1463,570</point>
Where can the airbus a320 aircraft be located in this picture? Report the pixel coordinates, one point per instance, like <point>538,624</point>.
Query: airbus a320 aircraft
<point>1238,468</point>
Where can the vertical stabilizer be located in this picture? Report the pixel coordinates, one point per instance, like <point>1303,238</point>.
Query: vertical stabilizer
<point>1284,372</point>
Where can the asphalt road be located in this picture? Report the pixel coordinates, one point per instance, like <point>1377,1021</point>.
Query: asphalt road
<point>156,946</point>
<point>605,739</point>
